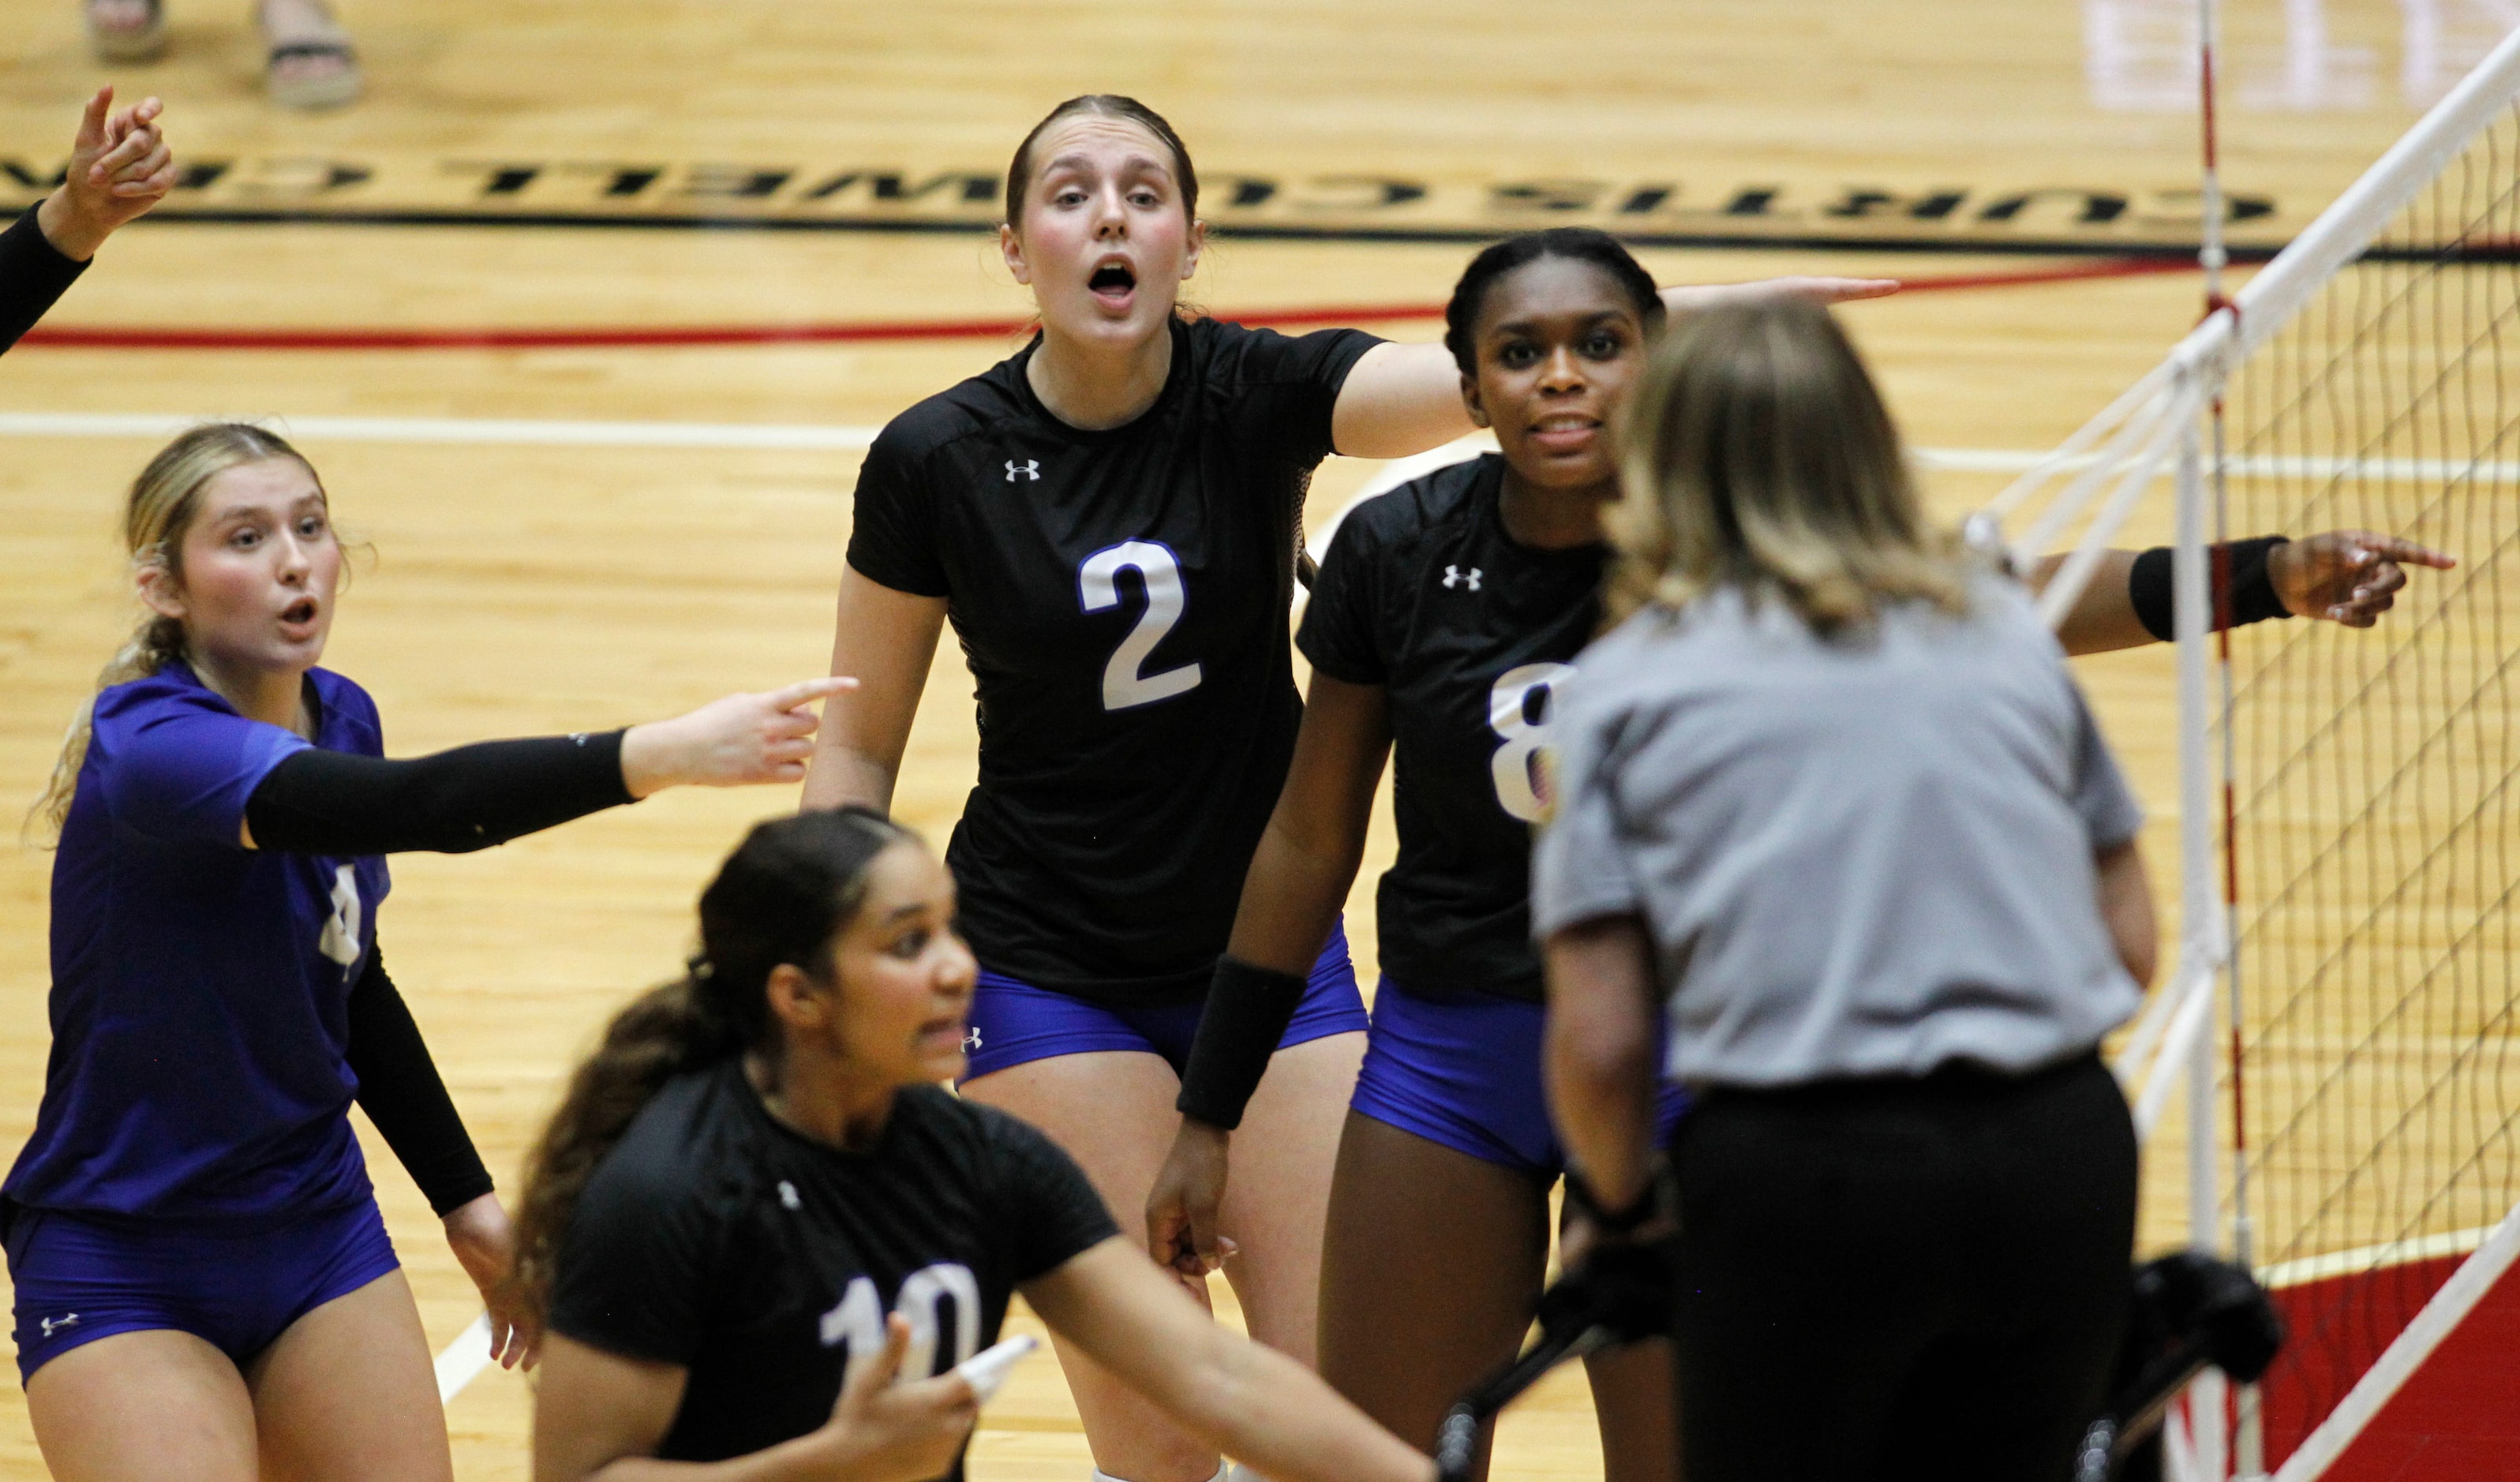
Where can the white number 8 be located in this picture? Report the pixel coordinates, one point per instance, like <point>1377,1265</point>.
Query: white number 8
<point>1097,586</point>
<point>1520,692</point>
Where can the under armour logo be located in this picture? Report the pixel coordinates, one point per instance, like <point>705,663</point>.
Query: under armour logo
<point>1030,469</point>
<point>53,1323</point>
<point>787,1195</point>
<point>971,1041</point>
<point>1454,576</point>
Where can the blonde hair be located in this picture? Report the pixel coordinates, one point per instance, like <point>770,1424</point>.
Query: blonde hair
<point>1758,454</point>
<point>155,515</point>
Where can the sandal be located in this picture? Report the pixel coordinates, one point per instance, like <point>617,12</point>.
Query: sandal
<point>329,87</point>
<point>141,43</point>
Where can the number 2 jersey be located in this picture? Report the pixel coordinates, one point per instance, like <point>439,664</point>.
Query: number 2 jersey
<point>1122,598</point>
<point>717,1238</point>
<point>1467,630</point>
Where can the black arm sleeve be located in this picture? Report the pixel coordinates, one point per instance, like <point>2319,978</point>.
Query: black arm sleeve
<point>400,1090</point>
<point>1248,1010</point>
<point>454,802</point>
<point>34,274</point>
<point>2253,594</point>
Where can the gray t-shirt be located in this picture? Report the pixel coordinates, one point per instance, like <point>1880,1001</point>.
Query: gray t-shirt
<point>1864,857</point>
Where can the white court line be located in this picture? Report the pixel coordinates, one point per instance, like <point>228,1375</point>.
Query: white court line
<point>812,436</point>
<point>463,1360</point>
<point>467,431</point>
<point>479,432</point>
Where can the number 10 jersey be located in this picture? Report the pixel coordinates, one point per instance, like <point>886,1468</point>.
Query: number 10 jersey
<point>1121,597</point>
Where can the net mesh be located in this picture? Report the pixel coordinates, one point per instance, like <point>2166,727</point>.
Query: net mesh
<point>2374,791</point>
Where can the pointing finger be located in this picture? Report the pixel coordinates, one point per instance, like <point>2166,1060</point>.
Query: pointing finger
<point>2393,548</point>
<point>810,691</point>
<point>91,129</point>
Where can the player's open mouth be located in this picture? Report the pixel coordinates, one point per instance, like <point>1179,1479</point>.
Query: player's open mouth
<point>1113,283</point>
<point>299,614</point>
<point>1565,432</point>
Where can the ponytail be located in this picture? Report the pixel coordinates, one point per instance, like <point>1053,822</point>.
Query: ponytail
<point>664,1033</point>
<point>155,515</point>
<point>791,886</point>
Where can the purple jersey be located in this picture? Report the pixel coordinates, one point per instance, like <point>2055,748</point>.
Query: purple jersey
<point>199,988</point>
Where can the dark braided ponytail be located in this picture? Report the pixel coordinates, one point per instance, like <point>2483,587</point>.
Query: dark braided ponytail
<point>789,888</point>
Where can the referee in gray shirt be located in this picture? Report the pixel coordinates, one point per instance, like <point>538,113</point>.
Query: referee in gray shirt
<point>1830,792</point>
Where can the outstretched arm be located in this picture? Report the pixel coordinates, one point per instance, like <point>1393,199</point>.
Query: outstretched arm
<point>472,797</point>
<point>1250,1402</point>
<point>2344,576</point>
<point>1401,399</point>
<point>1299,877</point>
<point>887,640</point>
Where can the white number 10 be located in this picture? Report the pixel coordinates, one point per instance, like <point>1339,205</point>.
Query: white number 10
<point>1097,584</point>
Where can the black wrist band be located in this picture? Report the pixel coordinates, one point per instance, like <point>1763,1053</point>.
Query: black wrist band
<point>2252,587</point>
<point>2151,591</point>
<point>1248,1008</point>
<point>1614,1221</point>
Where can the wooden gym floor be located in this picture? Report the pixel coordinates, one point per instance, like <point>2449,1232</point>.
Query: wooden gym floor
<point>520,586</point>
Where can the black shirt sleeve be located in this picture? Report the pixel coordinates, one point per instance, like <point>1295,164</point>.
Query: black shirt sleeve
<point>637,1264</point>
<point>893,535</point>
<point>452,802</point>
<point>1038,1201</point>
<point>1288,386</point>
<point>1337,635</point>
<point>403,1093</point>
<point>33,276</point>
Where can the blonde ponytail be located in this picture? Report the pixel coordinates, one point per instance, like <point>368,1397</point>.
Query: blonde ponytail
<point>155,515</point>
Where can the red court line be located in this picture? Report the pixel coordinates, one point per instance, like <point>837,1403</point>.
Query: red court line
<point>69,336</point>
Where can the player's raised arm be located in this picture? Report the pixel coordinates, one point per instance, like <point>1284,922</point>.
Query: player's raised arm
<point>2341,576</point>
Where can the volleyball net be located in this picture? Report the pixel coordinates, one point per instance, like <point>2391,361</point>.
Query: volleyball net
<point>2340,1025</point>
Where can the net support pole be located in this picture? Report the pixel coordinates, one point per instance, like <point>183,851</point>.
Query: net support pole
<point>2199,911</point>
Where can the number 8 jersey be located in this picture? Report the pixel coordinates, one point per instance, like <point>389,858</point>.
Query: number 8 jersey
<point>1121,597</point>
<point>1468,631</point>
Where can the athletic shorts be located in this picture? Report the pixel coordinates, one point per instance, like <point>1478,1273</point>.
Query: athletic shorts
<point>237,1284</point>
<point>1014,1023</point>
<point>1466,1073</point>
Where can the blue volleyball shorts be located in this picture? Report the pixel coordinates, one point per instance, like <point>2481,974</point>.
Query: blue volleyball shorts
<point>235,1283</point>
<point>1466,1073</point>
<point>1013,1024</point>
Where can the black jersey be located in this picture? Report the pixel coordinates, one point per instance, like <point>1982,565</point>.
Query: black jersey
<point>720,1240</point>
<point>1467,630</point>
<point>1121,597</point>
